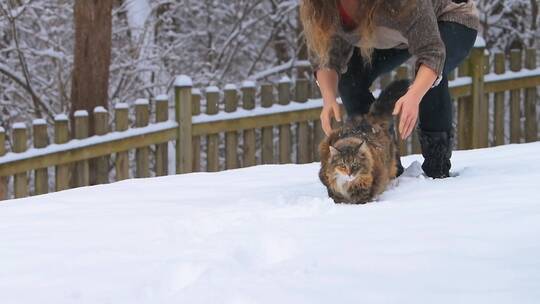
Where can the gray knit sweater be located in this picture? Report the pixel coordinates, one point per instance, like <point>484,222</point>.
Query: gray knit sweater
<point>418,32</point>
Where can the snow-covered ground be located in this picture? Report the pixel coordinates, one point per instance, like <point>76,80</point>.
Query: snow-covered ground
<point>269,234</point>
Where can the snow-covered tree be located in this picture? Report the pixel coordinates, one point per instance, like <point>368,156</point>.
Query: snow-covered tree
<point>213,41</point>
<point>509,24</point>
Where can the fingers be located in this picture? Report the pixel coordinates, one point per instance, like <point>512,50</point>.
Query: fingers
<point>409,125</point>
<point>402,121</point>
<point>325,123</point>
<point>407,128</point>
<point>326,118</point>
<point>337,112</point>
<point>397,107</point>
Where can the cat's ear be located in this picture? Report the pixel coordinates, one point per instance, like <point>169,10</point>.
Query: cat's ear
<point>360,145</point>
<point>334,151</point>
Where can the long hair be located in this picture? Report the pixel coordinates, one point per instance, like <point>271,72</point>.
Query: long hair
<point>320,19</point>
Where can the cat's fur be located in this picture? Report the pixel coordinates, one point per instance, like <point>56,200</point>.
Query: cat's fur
<point>358,160</point>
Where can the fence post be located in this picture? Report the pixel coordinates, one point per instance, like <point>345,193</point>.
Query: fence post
<point>121,121</point>
<point>248,103</point>
<point>61,136</point>
<point>498,120</point>
<point>465,122</point>
<point>162,150</point>
<point>41,140</point>
<point>101,127</point>
<point>477,94</point>
<point>3,179</point>
<point>196,140</point>
<point>515,100</point>
<point>182,92</point>
<point>284,98</point>
<point>303,146</point>
<point>267,140</point>
<point>484,109</point>
<point>142,116</point>
<point>531,95</point>
<point>231,138</point>
<point>212,140</point>
<point>19,145</point>
<point>318,134</point>
<point>82,169</point>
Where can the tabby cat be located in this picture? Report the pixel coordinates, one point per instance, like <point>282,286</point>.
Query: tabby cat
<point>358,160</point>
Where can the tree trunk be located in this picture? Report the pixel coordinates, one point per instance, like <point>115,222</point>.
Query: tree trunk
<point>93,32</point>
<point>92,59</point>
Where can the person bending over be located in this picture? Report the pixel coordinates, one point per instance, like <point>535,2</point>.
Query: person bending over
<point>352,42</point>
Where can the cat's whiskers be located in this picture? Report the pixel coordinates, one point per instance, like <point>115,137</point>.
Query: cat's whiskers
<point>343,182</point>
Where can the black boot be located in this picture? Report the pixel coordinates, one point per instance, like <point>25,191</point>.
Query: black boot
<point>437,150</point>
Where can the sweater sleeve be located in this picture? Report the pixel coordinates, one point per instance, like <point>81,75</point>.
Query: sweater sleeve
<point>339,55</point>
<point>425,41</point>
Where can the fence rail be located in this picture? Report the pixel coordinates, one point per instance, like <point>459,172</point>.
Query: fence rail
<point>254,125</point>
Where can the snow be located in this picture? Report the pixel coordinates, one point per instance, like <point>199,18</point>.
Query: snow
<point>269,234</point>
<point>60,117</point>
<point>100,109</point>
<point>80,113</point>
<point>2,130</point>
<point>460,81</point>
<point>142,102</point>
<point>479,42</point>
<point>509,75</point>
<point>196,91</point>
<point>285,79</point>
<point>121,106</point>
<point>281,68</point>
<point>40,121</point>
<point>212,89</point>
<point>248,84</point>
<point>258,111</point>
<point>19,125</point>
<point>230,87</point>
<point>162,97</point>
<point>138,12</point>
<point>183,81</point>
<point>86,142</point>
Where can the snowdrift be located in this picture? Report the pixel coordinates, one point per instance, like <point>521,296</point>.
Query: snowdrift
<point>269,234</point>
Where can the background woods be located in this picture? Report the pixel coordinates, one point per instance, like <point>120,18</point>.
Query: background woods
<point>215,42</point>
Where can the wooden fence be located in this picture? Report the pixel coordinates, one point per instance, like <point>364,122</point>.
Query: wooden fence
<point>263,124</point>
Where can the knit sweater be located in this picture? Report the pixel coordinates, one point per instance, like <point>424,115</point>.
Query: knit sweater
<point>418,32</point>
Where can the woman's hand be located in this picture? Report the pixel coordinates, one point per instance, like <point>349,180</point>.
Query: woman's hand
<point>331,109</point>
<point>327,79</point>
<point>407,106</point>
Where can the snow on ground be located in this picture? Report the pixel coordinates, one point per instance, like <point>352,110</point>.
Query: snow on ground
<point>269,234</point>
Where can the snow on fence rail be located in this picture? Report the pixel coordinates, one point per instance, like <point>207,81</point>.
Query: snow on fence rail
<point>254,125</point>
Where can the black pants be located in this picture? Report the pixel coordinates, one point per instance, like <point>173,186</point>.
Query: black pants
<point>435,113</point>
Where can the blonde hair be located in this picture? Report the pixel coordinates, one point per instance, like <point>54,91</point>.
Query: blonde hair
<point>320,19</point>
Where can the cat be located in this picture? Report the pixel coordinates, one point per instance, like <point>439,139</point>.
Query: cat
<point>358,160</point>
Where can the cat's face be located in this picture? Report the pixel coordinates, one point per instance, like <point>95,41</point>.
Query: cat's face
<point>350,159</point>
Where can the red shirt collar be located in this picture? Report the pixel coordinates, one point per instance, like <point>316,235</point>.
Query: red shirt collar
<point>346,19</point>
